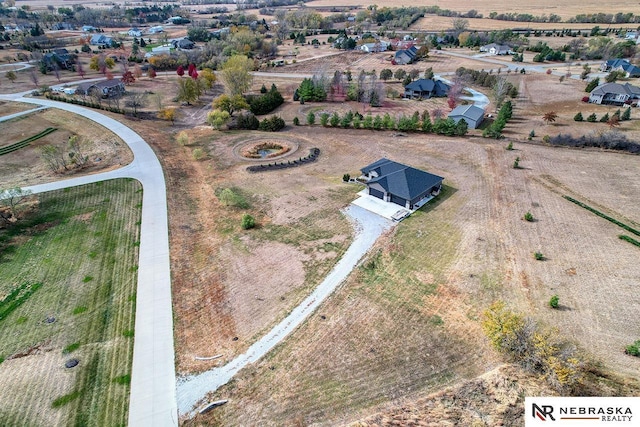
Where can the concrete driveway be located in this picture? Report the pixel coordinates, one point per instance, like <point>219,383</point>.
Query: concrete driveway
<point>368,227</point>
<point>153,393</point>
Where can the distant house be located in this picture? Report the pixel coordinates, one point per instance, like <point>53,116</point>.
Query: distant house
<point>184,43</point>
<point>425,88</point>
<point>155,30</point>
<point>177,20</point>
<point>220,32</point>
<point>60,58</point>
<point>496,49</point>
<point>469,113</point>
<point>405,56</point>
<point>88,28</point>
<point>615,94</point>
<point>159,50</point>
<point>101,40</point>
<point>63,26</point>
<point>134,32</point>
<point>103,88</point>
<point>400,184</point>
<point>622,65</point>
<point>379,46</point>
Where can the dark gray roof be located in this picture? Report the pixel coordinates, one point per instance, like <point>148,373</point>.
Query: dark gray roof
<point>617,88</point>
<point>428,85</point>
<point>470,111</point>
<point>402,180</point>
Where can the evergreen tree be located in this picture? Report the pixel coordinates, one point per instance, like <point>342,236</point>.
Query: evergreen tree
<point>627,114</point>
<point>592,85</point>
<point>578,117</point>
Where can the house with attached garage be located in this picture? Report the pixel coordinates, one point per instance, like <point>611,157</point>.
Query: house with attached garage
<point>615,94</point>
<point>400,184</point>
<point>406,56</point>
<point>621,65</point>
<point>469,113</point>
<point>103,88</point>
<point>425,89</point>
<point>496,49</point>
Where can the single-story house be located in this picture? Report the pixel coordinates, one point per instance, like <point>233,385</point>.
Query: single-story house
<point>155,30</point>
<point>379,46</point>
<point>405,56</point>
<point>184,43</point>
<point>63,26</point>
<point>60,58</point>
<point>159,50</point>
<point>101,40</point>
<point>623,65</point>
<point>400,184</point>
<point>104,88</point>
<point>615,94</point>
<point>88,28</point>
<point>469,113</point>
<point>134,32</point>
<point>496,49</point>
<point>425,89</point>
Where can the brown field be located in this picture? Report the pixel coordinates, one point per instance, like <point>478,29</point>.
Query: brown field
<point>397,334</point>
<point>565,9</point>
<point>25,167</point>
<point>406,323</point>
<point>444,23</point>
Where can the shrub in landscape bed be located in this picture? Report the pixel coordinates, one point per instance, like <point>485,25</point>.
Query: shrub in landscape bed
<point>510,146</point>
<point>346,177</point>
<point>296,121</point>
<point>554,302</point>
<point>273,124</point>
<point>538,256</point>
<point>528,217</point>
<point>578,117</point>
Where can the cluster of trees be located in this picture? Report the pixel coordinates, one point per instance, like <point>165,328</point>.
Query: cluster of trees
<point>498,125</point>
<point>523,341</point>
<point>310,90</point>
<point>272,124</point>
<point>265,103</point>
<point>618,116</point>
<point>545,53</point>
<point>413,123</point>
<point>63,158</point>
<point>524,17</point>
<point>606,18</point>
<point>486,79</point>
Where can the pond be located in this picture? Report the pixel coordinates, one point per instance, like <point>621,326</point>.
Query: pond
<point>265,152</point>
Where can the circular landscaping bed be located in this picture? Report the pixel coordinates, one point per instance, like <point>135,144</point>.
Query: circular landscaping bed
<point>265,149</point>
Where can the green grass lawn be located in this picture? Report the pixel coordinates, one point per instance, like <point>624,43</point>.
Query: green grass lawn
<point>73,259</point>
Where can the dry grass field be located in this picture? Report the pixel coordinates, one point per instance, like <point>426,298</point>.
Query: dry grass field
<point>25,166</point>
<point>398,327</point>
<point>406,322</point>
<point>564,9</point>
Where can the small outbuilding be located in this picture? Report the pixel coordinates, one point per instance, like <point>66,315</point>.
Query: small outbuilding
<point>400,184</point>
<point>469,113</point>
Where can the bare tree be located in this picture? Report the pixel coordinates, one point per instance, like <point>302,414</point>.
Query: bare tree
<point>136,101</point>
<point>459,25</point>
<point>11,199</point>
<point>54,157</point>
<point>500,90</point>
<point>33,76</point>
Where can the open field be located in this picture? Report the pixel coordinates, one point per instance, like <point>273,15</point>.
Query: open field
<point>564,9</point>
<point>80,244</point>
<point>395,330</point>
<point>444,23</point>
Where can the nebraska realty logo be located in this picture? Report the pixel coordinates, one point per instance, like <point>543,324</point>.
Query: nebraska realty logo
<point>582,411</point>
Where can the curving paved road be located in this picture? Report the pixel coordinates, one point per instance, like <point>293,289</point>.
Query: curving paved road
<point>153,393</point>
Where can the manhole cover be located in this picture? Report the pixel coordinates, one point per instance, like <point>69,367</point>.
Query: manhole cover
<point>50,319</point>
<point>71,363</point>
